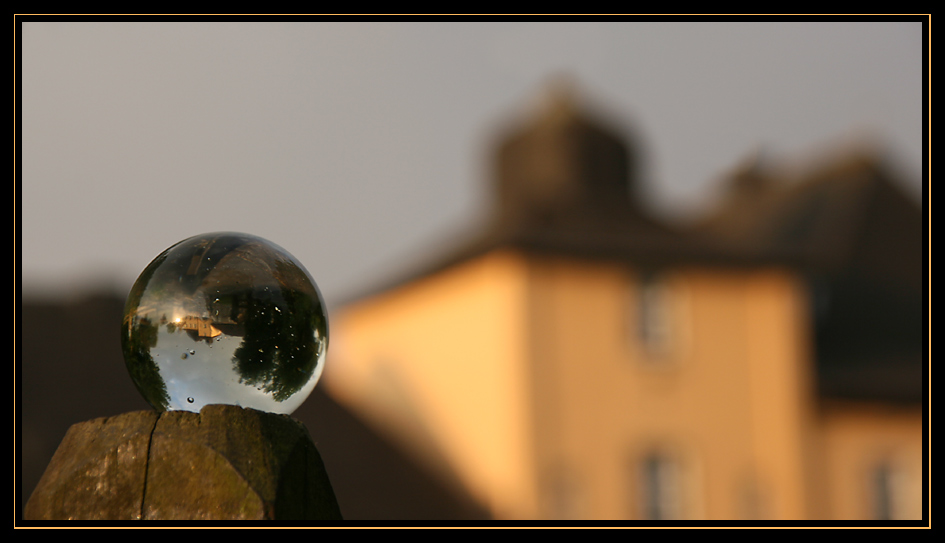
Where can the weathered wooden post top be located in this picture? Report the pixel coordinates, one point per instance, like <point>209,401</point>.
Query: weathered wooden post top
<point>225,335</point>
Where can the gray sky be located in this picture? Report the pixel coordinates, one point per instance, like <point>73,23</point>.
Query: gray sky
<point>358,147</point>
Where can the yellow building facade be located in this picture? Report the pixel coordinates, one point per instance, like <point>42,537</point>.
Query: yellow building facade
<point>586,365</point>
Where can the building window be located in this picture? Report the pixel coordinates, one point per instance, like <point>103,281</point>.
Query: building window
<point>888,483</point>
<point>661,487</point>
<point>653,316</point>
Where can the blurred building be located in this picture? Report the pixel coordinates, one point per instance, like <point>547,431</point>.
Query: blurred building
<point>580,360</point>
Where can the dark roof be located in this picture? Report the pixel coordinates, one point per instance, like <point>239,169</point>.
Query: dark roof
<point>848,212</point>
<point>566,183</point>
<point>849,228</point>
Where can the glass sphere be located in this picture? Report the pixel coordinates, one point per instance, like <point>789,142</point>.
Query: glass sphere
<point>225,318</point>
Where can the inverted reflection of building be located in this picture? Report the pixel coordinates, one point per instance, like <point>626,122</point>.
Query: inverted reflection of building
<point>201,325</point>
<point>227,314</point>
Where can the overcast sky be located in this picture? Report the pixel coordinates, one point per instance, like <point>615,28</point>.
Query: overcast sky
<point>360,146</point>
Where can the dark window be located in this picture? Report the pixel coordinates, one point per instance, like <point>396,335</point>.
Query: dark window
<point>887,482</point>
<point>653,315</point>
<point>661,481</point>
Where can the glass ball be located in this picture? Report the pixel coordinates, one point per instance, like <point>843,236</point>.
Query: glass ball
<point>225,318</point>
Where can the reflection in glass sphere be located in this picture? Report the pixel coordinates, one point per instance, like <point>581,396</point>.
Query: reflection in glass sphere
<point>225,318</point>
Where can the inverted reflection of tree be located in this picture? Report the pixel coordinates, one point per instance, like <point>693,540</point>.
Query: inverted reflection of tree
<point>291,274</point>
<point>278,352</point>
<point>144,371</point>
<point>138,336</point>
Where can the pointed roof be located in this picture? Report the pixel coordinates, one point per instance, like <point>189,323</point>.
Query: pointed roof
<point>566,182</point>
<point>846,214</point>
<point>564,166</point>
<point>849,228</point>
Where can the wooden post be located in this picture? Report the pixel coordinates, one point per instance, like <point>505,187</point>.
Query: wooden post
<point>225,463</point>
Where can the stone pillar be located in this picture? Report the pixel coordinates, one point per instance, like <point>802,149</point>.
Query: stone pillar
<point>225,463</point>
